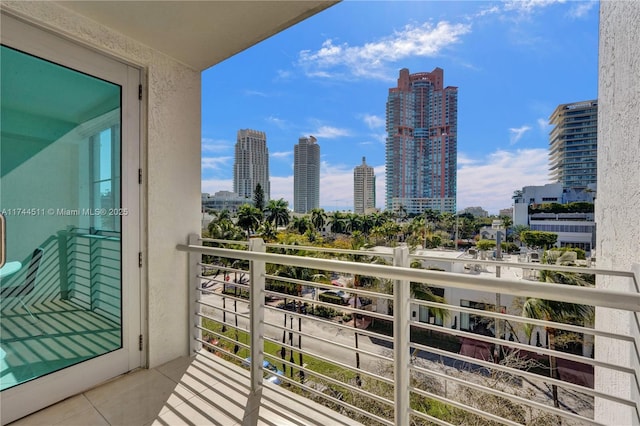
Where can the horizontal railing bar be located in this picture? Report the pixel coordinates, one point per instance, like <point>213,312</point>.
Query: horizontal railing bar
<point>533,321</point>
<point>218,349</point>
<point>501,394</point>
<point>564,293</point>
<point>328,250</point>
<point>523,373</point>
<point>486,415</point>
<point>346,308</point>
<point>209,345</point>
<point>330,287</point>
<point>325,359</point>
<point>214,240</point>
<point>222,336</point>
<point>340,403</point>
<point>501,342</point>
<point>334,324</point>
<point>429,418</point>
<point>520,265</point>
<point>331,342</point>
<point>340,383</point>
<point>227,310</point>
<point>222,268</point>
<point>228,324</point>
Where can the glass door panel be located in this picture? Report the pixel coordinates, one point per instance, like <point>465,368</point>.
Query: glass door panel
<point>60,194</point>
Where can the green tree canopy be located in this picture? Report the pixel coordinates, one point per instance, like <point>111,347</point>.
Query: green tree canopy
<point>258,197</point>
<point>278,212</point>
<point>538,239</point>
<point>318,218</point>
<point>249,218</point>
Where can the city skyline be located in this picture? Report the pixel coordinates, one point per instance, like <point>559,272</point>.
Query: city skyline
<point>514,63</point>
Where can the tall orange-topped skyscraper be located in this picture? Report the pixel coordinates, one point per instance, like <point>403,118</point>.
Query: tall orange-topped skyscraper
<point>421,146</point>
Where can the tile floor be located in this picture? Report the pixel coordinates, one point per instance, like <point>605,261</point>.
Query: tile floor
<point>187,391</point>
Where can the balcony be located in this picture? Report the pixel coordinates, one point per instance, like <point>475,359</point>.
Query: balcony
<point>385,362</point>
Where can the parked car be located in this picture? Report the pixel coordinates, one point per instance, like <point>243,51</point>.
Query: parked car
<point>267,367</point>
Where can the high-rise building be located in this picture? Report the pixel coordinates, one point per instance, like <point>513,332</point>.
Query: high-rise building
<point>306,175</point>
<point>364,188</point>
<point>421,148</point>
<point>251,165</point>
<point>573,143</point>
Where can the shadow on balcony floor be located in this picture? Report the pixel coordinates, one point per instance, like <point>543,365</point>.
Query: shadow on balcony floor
<point>61,334</point>
<point>186,391</point>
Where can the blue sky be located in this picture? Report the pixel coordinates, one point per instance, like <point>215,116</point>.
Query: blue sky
<point>513,62</point>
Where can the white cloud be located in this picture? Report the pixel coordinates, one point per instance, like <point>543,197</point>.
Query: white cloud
<point>544,125</point>
<point>216,145</point>
<point>211,186</point>
<point>371,58</point>
<point>283,74</point>
<point>282,187</point>
<point>373,121</point>
<point>379,137</point>
<point>282,154</point>
<point>249,92</point>
<point>279,122</point>
<point>529,6</point>
<point>216,163</point>
<point>489,182</point>
<point>581,9</point>
<point>330,132</point>
<point>517,133</point>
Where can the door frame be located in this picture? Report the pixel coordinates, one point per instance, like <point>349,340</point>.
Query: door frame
<point>32,39</point>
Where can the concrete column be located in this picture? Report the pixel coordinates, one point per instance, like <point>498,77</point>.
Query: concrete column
<point>618,197</point>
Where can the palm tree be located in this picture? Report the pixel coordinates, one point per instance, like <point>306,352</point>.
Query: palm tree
<point>249,218</point>
<point>318,219</point>
<point>354,222</point>
<point>278,212</point>
<point>336,221</point>
<point>301,224</point>
<point>225,230</point>
<point>561,312</point>
<point>268,232</point>
<point>367,223</point>
<point>303,274</point>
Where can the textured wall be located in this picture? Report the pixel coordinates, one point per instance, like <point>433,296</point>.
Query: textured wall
<point>171,143</point>
<point>618,197</point>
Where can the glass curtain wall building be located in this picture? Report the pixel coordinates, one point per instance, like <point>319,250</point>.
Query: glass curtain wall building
<point>573,143</point>
<point>421,146</point>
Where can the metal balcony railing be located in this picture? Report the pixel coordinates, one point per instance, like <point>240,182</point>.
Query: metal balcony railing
<point>404,368</point>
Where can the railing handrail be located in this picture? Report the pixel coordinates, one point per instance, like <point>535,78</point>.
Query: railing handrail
<point>364,252</point>
<point>564,293</point>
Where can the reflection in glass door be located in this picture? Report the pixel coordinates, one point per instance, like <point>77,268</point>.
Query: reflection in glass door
<point>60,194</point>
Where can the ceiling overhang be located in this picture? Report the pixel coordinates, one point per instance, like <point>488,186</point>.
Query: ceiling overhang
<point>199,34</point>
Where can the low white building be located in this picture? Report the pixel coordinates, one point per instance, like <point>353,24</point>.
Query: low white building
<point>573,229</point>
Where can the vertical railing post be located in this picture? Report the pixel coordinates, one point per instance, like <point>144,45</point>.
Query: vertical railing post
<point>401,337</point>
<point>256,314</point>
<point>63,264</point>
<point>195,321</point>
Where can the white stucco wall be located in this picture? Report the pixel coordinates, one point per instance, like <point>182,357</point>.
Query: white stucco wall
<point>618,197</point>
<point>171,164</point>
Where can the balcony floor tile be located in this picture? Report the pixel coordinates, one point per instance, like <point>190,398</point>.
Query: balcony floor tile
<point>186,391</point>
